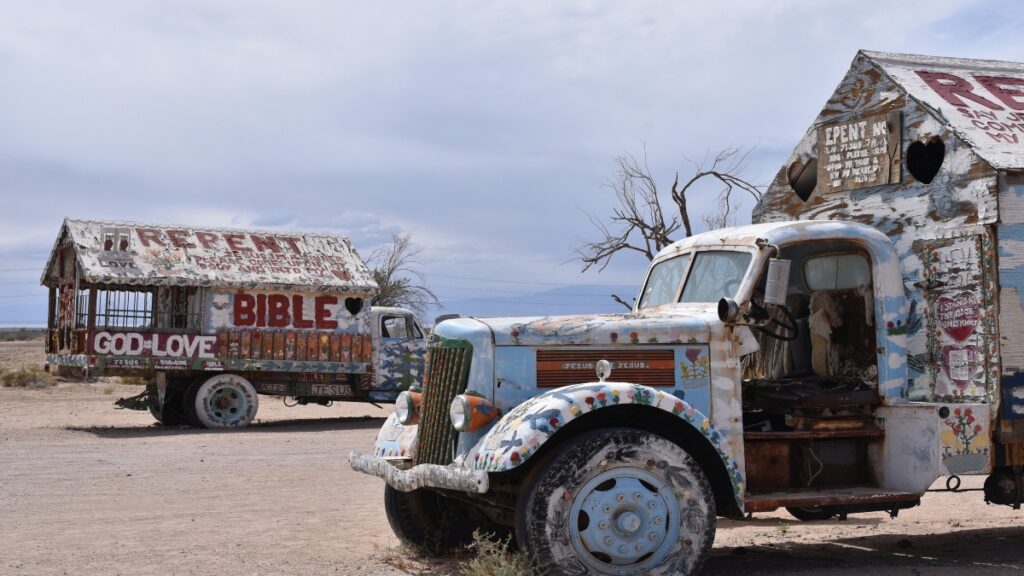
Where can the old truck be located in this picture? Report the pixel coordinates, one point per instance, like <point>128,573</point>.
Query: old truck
<point>840,355</point>
<point>212,318</point>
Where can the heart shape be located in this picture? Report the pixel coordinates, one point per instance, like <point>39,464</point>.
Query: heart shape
<point>958,316</point>
<point>925,160</point>
<point>353,305</point>
<point>803,177</point>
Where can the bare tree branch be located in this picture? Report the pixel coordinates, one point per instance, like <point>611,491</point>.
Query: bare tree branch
<point>396,269</point>
<point>638,222</point>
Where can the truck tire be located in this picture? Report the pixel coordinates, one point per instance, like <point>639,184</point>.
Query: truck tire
<point>617,501</point>
<point>172,413</point>
<point>223,401</point>
<point>426,520</point>
<point>811,513</point>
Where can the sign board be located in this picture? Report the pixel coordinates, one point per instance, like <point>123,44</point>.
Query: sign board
<point>859,153</point>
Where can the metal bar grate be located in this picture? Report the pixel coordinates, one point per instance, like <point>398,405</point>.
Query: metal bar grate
<point>447,373</point>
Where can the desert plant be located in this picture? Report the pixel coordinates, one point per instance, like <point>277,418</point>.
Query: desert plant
<point>493,557</point>
<point>27,377</point>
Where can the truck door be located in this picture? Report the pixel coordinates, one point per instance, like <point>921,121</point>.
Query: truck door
<point>402,347</point>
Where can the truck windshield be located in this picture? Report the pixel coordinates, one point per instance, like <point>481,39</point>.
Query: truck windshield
<point>664,281</point>
<point>714,275</point>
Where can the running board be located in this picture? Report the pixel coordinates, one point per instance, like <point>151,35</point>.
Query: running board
<point>855,499</point>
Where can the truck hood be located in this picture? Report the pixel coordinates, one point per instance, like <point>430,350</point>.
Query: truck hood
<point>673,324</point>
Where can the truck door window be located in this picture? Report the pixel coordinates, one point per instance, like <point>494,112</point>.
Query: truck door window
<point>394,327</point>
<point>663,281</point>
<point>714,275</point>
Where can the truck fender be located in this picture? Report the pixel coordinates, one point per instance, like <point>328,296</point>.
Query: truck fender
<point>519,434</point>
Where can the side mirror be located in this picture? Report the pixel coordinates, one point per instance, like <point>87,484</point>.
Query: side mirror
<point>728,310</point>
<point>777,285</point>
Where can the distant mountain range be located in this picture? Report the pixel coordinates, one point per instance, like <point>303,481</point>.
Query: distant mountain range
<point>567,300</point>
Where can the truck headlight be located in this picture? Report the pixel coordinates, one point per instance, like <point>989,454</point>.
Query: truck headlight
<point>407,407</point>
<point>469,412</point>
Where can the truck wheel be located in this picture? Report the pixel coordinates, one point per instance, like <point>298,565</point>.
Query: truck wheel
<point>428,521</point>
<point>617,502</point>
<point>173,412</point>
<point>224,401</point>
<point>809,513</point>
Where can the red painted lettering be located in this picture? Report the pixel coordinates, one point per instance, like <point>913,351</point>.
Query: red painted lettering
<point>322,314</point>
<point>278,315</point>
<point>179,239</point>
<point>952,88</point>
<point>261,310</point>
<point>147,235</point>
<point>207,239</point>
<point>292,243</point>
<point>264,243</point>
<point>235,242</point>
<point>244,313</point>
<point>297,320</point>
<point>997,85</point>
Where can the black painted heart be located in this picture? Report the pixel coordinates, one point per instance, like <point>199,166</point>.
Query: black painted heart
<point>803,177</point>
<point>925,160</point>
<point>353,305</point>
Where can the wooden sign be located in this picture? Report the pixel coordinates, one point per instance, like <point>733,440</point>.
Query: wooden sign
<point>859,153</point>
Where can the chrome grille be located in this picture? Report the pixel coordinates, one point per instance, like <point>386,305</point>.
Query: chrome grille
<point>447,371</point>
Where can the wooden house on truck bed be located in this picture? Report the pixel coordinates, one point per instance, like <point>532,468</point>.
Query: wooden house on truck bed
<point>931,152</point>
<point>214,317</point>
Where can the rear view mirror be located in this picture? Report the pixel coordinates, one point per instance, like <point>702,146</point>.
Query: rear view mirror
<point>777,285</point>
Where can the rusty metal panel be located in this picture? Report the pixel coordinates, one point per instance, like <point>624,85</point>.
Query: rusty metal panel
<point>256,338</point>
<point>651,367</point>
<point>346,348</point>
<point>128,253</point>
<point>768,466</point>
<point>300,346</point>
<point>279,344</point>
<point>245,350</point>
<point>335,347</point>
<point>324,352</point>
<point>267,348</point>
<point>289,346</point>
<point>312,346</point>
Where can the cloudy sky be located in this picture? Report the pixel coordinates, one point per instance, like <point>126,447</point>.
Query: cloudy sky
<point>484,129</point>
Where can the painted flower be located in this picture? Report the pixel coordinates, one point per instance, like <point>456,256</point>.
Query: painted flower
<point>514,457</point>
<point>692,354</point>
<point>678,407</point>
<point>614,336</point>
<point>957,411</point>
<point>589,400</point>
<point>575,410</point>
<point>634,337</point>
<point>602,397</point>
<point>977,428</point>
<point>553,422</point>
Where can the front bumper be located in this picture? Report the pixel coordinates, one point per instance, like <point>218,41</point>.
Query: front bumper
<point>422,476</point>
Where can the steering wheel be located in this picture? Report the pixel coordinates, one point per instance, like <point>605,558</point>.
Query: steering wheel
<point>787,331</point>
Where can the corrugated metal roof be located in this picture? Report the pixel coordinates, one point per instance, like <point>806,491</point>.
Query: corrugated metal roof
<point>111,252</point>
<point>982,101</point>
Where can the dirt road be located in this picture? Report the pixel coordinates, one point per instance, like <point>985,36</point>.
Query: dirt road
<point>87,489</point>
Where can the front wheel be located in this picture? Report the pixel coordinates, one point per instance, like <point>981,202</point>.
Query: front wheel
<point>618,502</point>
<point>434,523</point>
<point>224,401</point>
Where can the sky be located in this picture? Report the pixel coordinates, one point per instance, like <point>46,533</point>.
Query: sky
<point>488,131</point>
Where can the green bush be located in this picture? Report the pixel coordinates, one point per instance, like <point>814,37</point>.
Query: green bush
<point>28,377</point>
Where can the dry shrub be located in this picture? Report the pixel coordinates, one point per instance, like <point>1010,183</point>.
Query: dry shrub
<point>27,377</point>
<point>494,558</point>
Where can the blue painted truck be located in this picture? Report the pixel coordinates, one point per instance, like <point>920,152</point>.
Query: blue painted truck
<point>213,318</point>
<point>854,345</point>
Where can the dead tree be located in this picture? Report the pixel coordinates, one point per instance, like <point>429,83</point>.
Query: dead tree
<point>396,269</point>
<point>638,222</point>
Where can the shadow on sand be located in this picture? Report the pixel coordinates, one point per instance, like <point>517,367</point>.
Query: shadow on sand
<point>296,425</point>
<point>981,551</point>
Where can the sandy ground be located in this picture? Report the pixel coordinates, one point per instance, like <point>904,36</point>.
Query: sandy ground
<point>88,489</point>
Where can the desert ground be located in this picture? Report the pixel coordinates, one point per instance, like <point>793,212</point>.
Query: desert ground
<point>89,489</point>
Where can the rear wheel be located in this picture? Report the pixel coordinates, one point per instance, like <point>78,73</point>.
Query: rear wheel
<point>810,513</point>
<point>437,524</point>
<point>619,502</point>
<point>172,413</point>
<point>224,401</point>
